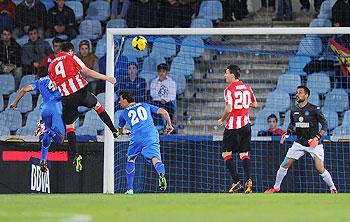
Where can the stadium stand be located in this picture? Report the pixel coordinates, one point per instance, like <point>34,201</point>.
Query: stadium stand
<point>98,10</point>
<point>90,29</point>
<point>211,10</point>
<point>78,10</point>
<point>1,102</point>
<point>26,80</point>
<point>287,83</point>
<point>164,47</point>
<point>86,131</point>
<point>11,119</point>
<point>337,100</point>
<point>319,83</point>
<point>182,65</point>
<point>4,131</point>
<point>9,87</point>
<point>25,105</point>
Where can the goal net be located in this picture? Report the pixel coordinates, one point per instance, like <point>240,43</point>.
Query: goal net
<point>273,61</point>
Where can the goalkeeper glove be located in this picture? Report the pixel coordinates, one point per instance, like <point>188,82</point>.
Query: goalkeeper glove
<point>314,141</point>
<point>284,136</point>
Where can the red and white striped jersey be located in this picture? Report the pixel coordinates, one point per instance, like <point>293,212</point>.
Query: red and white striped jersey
<point>64,70</point>
<point>239,96</point>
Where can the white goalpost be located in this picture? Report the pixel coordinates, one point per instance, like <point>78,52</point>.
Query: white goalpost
<point>108,171</point>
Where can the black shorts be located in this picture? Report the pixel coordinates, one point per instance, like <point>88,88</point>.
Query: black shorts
<point>71,102</point>
<point>237,140</point>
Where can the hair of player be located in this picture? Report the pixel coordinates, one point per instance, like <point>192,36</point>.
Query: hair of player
<point>57,40</point>
<point>272,116</point>
<point>234,69</point>
<point>307,90</point>
<point>67,46</point>
<point>7,29</point>
<point>162,66</point>
<point>132,63</point>
<point>127,95</point>
<point>32,28</point>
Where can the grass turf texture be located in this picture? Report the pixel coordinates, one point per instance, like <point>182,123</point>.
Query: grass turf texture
<point>174,207</point>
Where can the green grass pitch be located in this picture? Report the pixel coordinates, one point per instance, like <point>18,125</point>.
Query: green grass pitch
<point>175,207</point>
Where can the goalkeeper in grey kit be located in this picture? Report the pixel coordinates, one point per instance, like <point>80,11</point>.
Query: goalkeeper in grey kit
<point>304,120</point>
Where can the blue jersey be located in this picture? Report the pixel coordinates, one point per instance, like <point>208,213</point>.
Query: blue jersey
<point>139,117</point>
<point>47,90</point>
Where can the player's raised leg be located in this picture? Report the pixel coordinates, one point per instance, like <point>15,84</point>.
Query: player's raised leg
<point>100,110</point>
<point>236,185</point>
<point>326,176</point>
<point>160,168</point>
<point>281,173</point>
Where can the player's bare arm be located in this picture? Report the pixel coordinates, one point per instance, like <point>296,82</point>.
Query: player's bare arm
<point>19,96</point>
<point>98,75</point>
<point>254,105</point>
<point>123,131</point>
<point>169,126</point>
<point>227,111</point>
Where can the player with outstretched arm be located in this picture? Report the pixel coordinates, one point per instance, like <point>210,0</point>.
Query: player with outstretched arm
<point>144,136</point>
<point>52,126</point>
<point>239,97</point>
<point>65,72</point>
<point>304,120</point>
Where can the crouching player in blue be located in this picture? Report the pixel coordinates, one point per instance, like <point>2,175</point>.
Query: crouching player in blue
<point>51,113</point>
<point>144,136</point>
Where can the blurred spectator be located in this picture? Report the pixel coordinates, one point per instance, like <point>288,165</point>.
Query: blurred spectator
<point>272,130</point>
<point>341,13</point>
<point>305,5</point>
<point>30,13</point>
<point>61,20</point>
<point>235,9</point>
<point>115,6</point>
<point>34,51</point>
<point>7,14</point>
<point>134,84</point>
<point>175,13</point>
<point>10,55</point>
<point>44,63</point>
<point>91,61</point>
<point>269,5</point>
<point>284,11</point>
<point>142,13</point>
<point>163,91</point>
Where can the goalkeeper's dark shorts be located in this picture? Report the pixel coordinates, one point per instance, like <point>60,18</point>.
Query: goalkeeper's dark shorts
<point>71,103</point>
<point>237,140</point>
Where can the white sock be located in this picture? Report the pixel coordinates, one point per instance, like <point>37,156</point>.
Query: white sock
<point>281,173</point>
<point>326,176</point>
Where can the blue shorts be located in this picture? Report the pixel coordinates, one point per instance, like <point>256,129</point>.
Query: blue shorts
<point>51,113</point>
<point>148,149</point>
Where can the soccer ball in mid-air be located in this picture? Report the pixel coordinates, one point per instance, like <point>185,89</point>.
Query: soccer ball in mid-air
<point>139,43</point>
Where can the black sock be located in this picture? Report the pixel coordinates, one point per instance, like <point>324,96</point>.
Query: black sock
<point>72,141</point>
<point>246,168</point>
<point>107,120</point>
<point>231,169</point>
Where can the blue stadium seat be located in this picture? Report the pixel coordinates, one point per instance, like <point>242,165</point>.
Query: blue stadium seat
<point>310,46</point>
<point>202,23</point>
<point>211,10</point>
<point>286,121</point>
<point>337,100</point>
<point>326,10</point>
<point>93,120</point>
<point>4,131</point>
<point>151,62</point>
<point>26,130</point>
<point>17,2</point>
<point>77,40</point>
<point>148,76</point>
<point>192,46</point>
<point>346,119</point>
<point>33,118</point>
<point>101,98</point>
<point>101,47</point>
<point>38,102</point>
<point>314,98</point>
<point>90,29</point>
<point>288,83</point>
<point>132,53</point>
<point>180,83</point>
<point>86,131</point>
<point>341,131</point>
<point>331,117</point>
<point>164,47</point>
<point>22,40</point>
<point>295,72</point>
<point>297,63</point>
<point>117,23</point>
<point>1,102</point>
<point>25,104</point>
<point>319,83</point>
<point>77,8</point>
<point>83,109</point>
<point>98,10</point>
<point>278,100</point>
<point>9,87</point>
<point>11,119</point>
<point>182,66</point>
<point>26,80</point>
<point>320,22</point>
<point>48,4</point>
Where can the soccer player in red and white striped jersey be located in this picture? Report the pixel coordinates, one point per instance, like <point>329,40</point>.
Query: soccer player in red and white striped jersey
<point>64,72</point>
<point>239,97</point>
